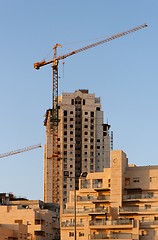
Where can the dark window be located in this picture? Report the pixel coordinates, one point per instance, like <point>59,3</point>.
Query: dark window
<point>72,101</point>
<point>71,119</point>
<point>92,114</point>
<point>86,113</point>
<point>65,113</point>
<point>98,108</point>
<point>71,132</point>
<point>83,101</point>
<point>71,112</point>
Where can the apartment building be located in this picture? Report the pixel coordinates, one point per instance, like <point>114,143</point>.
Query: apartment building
<point>28,219</point>
<point>14,231</point>
<point>119,203</point>
<point>83,143</point>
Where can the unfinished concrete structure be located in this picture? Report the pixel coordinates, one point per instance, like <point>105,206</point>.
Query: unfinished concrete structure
<point>83,143</point>
<point>119,203</point>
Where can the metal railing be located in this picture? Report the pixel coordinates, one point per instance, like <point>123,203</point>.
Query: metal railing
<point>112,222</point>
<point>71,224</point>
<point>138,209</point>
<point>139,196</point>
<point>114,236</point>
<point>87,210</point>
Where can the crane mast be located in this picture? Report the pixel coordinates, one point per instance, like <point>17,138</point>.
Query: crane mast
<point>54,111</point>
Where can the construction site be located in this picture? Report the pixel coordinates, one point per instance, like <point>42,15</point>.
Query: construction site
<point>90,189</point>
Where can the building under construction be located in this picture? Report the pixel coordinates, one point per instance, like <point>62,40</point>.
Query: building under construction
<point>83,143</point>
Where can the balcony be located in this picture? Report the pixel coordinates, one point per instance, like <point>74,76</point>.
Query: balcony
<point>102,198</point>
<point>125,236</point>
<point>71,224</point>
<point>140,197</point>
<point>106,224</point>
<point>139,210</point>
<point>100,210</point>
<point>86,198</point>
<point>148,224</point>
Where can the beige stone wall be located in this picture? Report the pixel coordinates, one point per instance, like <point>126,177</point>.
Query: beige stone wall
<point>124,206</point>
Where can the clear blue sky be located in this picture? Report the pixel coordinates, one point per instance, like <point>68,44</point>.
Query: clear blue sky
<point>123,73</point>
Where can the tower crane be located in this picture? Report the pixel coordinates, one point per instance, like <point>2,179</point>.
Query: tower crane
<point>54,110</point>
<point>20,150</point>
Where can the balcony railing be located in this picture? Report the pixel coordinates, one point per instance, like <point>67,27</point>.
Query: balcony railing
<point>139,196</point>
<point>71,224</point>
<point>85,198</point>
<point>148,223</point>
<point>87,210</point>
<point>114,236</point>
<point>138,209</point>
<point>114,222</point>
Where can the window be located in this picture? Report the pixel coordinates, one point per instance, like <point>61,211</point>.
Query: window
<point>83,101</point>
<point>71,112</point>
<point>85,146</point>
<point>71,125</point>
<point>127,182</point>
<point>71,132</point>
<point>85,139</point>
<point>86,119</point>
<point>71,234</point>
<point>153,179</point>
<point>98,140</point>
<point>81,234</point>
<point>147,206</point>
<point>86,133</point>
<point>85,126</point>
<point>72,101</point>
<point>98,108</point>
<point>98,147</point>
<point>71,119</point>
<point>71,139</point>
<point>92,114</point>
<point>136,180</point>
<point>65,113</point>
<point>86,113</point>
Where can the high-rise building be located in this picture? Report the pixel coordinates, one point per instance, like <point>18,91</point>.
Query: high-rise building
<point>83,142</point>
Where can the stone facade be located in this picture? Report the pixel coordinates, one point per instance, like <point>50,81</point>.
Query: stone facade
<point>119,203</point>
<point>83,142</point>
<point>35,219</point>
